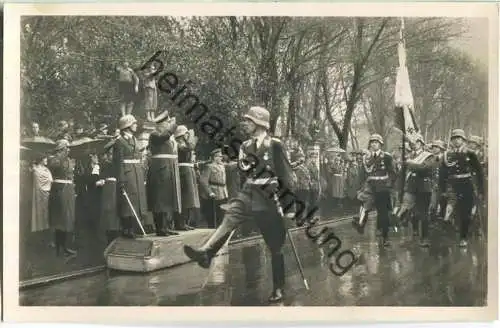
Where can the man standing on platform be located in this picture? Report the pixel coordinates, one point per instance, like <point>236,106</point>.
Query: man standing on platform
<point>213,183</point>
<point>163,182</point>
<point>418,183</point>
<point>189,185</point>
<point>264,163</point>
<point>459,164</point>
<point>379,172</point>
<point>129,174</point>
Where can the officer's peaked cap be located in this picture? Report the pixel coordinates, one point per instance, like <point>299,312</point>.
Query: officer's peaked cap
<point>258,115</point>
<point>376,137</point>
<point>162,117</point>
<point>126,121</point>
<point>458,133</point>
<point>216,152</point>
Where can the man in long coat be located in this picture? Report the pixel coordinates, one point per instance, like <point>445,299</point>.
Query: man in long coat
<point>189,185</point>
<point>62,197</point>
<point>130,176</point>
<point>163,184</point>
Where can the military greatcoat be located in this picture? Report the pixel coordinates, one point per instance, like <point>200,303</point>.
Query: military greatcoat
<point>163,181</point>
<point>129,173</point>
<point>62,194</point>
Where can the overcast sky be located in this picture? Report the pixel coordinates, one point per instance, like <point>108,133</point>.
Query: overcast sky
<point>475,42</point>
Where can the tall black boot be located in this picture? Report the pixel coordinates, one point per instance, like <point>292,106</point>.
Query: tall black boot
<point>159,228</point>
<point>203,255</point>
<point>278,269</point>
<point>169,224</point>
<point>67,251</point>
<point>58,243</point>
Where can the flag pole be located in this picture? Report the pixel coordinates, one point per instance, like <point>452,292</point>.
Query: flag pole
<point>403,151</point>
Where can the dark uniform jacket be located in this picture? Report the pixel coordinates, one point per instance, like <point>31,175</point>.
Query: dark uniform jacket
<point>260,165</point>
<point>379,171</point>
<point>419,173</point>
<point>163,179</point>
<point>213,180</point>
<point>188,178</point>
<point>129,174</point>
<point>62,195</point>
<point>458,167</point>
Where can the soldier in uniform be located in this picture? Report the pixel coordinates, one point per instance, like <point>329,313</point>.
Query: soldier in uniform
<point>189,185</point>
<point>213,184</point>
<point>163,182</point>
<point>438,201</point>
<point>109,218</point>
<point>459,163</point>
<point>419,185</point>
<point>62,198</point>
<point>267,171</point>
<point>130,175</point>
<point>379,171</point>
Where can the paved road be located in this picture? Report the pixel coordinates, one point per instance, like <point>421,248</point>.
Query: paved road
<point>403,275</point>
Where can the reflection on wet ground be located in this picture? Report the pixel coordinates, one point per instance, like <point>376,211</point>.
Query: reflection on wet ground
<point>403,275</point>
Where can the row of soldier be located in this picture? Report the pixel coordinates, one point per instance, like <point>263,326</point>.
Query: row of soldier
<point>446,182</point>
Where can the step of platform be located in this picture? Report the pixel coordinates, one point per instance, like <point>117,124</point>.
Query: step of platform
<point>151,253</point>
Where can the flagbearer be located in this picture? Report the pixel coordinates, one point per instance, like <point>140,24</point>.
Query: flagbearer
<point>459,164</point>
<point>129,174</point>
<point>213,183</point>
<point>163,183</point>
<point>380,178</point>
<point>260,157</point>
<point>419,184</point>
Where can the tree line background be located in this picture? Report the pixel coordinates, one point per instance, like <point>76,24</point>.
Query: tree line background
<point>328,78</point>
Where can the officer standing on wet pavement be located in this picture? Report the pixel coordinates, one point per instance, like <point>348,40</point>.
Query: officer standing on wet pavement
<point>266,169</point>
<point>129,174</point>
<point>380,178</point>
<point>458,166</point>
<point>163,182</point>
<point>419,179</point>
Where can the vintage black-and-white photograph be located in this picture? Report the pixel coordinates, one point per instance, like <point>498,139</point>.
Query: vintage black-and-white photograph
<point>239,160</point>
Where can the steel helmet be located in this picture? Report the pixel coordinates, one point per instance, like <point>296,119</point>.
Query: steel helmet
<point>126,121</point>
<point>258,115</point>
<point>376,137</point>
<point>458,133</point>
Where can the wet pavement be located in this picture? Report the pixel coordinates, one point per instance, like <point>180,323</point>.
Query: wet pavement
<point>402,275</point>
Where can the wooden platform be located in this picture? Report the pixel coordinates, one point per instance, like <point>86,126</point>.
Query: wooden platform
<point>150,253</point>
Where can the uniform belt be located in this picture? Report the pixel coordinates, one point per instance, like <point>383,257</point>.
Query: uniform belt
<point>337,175</point>
<point>461,176</point>
<point>110,179</point>
<point>216,183</point>
<point>384,177</point>
<point>63,181</point>
<point>187,164</point>
<point>261,181</point>
<point>164,156</point>
<point>131,161</point>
